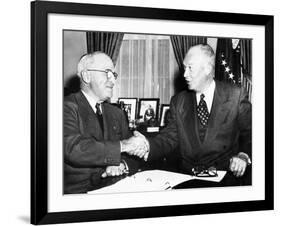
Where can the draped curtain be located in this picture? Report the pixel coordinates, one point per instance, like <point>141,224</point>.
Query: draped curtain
<point>246,54</point>
<point>181,45</point>
<point>107,42</point>
<point>147,68</point>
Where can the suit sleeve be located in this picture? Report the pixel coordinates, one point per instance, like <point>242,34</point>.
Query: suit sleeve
<point>164,143</point>
<point>83,150</point>
<point>131,161</point>
<point>245,123</point>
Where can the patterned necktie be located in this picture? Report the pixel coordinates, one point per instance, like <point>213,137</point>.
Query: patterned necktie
<point>202,111</point>
<point>99,115</point>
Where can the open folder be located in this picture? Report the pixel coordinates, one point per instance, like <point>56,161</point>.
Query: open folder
<point>153,180</point>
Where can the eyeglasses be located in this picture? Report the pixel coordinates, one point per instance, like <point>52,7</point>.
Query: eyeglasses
<point>201,171</point>
<point>109,73</point>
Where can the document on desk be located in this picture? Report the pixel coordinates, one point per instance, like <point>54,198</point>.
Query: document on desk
<point>152,180</point>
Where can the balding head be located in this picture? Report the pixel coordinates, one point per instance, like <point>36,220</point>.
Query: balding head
<point>206,52</point>
<point>96,59</point>
<point>199,64</point>
<point>93,72</point>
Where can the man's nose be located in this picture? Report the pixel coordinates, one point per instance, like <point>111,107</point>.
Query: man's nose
<point>186,74</point>
<point>111,80</point>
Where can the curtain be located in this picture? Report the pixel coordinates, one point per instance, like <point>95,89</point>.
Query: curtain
<point>246,56</point>
<point>107,42</point>
<point>181,45</point>
<point>228,66</point>
<point>147,68</point>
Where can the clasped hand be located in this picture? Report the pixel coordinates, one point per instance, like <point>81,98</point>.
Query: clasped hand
<point>237,166</point>
<point>112,171</point>
<point>136,145</point>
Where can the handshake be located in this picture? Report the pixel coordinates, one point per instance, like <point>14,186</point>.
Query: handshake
<point>136,145</point>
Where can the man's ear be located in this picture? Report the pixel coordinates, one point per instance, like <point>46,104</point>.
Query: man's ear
<point>208,69</point>
<point>85,77</point>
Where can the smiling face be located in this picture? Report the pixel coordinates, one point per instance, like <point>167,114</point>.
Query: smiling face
<point>198,69</point>
<point>97,83</point>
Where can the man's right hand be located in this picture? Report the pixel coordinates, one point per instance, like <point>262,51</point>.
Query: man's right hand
<point>114,171</point>
<point>136,145</point>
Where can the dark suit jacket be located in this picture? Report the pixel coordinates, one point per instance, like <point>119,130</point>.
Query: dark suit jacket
<point>87,151</point>
<point>228,133</point>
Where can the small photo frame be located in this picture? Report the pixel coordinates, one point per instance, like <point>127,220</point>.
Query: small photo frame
<point>130,107</point>
<point>165,111</point>
<point>148,108</point>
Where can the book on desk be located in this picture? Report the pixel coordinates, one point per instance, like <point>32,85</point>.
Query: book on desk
<point>153,180</point>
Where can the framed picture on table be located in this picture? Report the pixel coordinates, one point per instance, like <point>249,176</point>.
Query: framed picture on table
<point>148,108</point>
<point>51,62</point>
<point>130,107</point>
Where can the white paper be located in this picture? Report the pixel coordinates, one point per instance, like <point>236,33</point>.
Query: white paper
<point>153,180</point>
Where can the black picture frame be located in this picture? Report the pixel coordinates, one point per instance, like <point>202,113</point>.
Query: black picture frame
<point>39,112</point>
<point>132,103</point>
<point>163,110</point>
<point>144,104</point>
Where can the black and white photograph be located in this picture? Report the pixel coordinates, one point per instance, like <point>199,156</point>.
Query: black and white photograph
<point>115,81</point>
<point>129,106</point>
<point>209,126</point>
<point>148,109</point>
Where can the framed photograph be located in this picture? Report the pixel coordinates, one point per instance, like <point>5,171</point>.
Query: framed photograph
<point>165,108</point>
<point>148,108</point>
<point>63,32</point>
<point>130,107</point>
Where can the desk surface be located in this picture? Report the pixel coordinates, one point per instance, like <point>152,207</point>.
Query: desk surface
<point>228,180</point>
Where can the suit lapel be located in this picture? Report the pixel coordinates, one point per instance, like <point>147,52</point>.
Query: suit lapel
<point>190,119</point>
<point>219,111</point>
<point>88,115</point>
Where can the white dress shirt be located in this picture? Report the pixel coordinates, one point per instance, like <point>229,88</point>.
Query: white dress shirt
<point>209,95</point>
<point>92,101</point>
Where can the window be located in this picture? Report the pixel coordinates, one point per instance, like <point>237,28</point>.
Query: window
<point>147,67</point>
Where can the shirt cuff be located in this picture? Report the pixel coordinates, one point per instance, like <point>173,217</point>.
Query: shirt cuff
<point>244,157</point>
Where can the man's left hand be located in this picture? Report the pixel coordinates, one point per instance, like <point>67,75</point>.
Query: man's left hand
<point>237,166</point>
<point>112,171</point>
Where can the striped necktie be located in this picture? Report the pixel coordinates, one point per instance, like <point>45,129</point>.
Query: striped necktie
<point>99,114</point>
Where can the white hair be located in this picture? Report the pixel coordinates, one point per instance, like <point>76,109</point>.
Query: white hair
<point>208,52</point>
<point>86,60</point>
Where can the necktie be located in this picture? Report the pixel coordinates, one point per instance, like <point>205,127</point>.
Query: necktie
<point>202,111</point>
<point>99,115</point>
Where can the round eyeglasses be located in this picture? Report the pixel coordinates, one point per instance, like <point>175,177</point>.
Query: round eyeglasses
<point>201,171</point>
<point>109,73</point>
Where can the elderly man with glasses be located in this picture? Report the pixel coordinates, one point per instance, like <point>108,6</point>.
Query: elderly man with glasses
<point>93,128</point>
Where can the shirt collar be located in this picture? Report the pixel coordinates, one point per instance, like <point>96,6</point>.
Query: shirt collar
<point>209,95</point>
<point>92,101</point>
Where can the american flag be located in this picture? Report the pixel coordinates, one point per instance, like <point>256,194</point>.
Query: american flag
<point>228,61</point>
